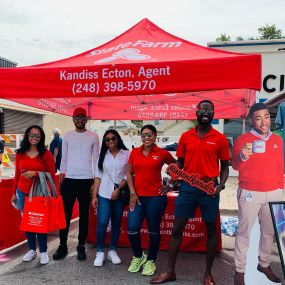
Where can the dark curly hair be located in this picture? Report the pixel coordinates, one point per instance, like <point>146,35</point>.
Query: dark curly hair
<point>25,143</point>
<point>104,147</point>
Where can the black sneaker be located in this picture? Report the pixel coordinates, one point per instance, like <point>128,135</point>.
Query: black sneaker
<point>60,253</point>
<point>81,254</point>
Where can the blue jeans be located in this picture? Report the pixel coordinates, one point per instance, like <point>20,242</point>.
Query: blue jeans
<point>108,209</point>
<point>31,237</point>
<point>151,208</point>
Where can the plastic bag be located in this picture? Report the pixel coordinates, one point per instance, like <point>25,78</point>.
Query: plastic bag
<point>229,225</point>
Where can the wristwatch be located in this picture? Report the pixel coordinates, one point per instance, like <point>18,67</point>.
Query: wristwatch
<point>171,185</point>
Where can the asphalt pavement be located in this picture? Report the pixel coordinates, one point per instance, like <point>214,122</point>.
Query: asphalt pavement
<point>71,271</point>
<point>189,268</point>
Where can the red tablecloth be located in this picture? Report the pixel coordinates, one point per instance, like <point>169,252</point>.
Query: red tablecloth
<point>10,218</point>
<point>194,236</point>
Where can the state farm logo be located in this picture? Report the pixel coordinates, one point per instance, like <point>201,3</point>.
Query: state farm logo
<point>155,157</point>
<point>128,54</point>
<point>134,45</point>
<point>35,214</point>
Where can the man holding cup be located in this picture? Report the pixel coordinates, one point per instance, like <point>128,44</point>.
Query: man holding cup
<point>258,156</point>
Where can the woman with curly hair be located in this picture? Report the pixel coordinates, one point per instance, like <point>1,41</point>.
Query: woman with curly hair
<point>146,202</point>
<point>32,157</point>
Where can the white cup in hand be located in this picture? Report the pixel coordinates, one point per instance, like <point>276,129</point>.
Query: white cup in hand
<point>258,146</point>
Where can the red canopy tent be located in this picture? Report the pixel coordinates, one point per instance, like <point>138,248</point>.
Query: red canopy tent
<point>115,79</point>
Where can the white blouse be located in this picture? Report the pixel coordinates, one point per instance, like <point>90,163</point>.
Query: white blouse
<point>114,171</point>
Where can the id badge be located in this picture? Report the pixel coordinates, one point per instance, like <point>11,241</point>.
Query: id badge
<point>248,196</point>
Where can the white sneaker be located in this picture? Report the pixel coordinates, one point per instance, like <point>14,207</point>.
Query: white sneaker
<point>44,259</point>
<point>30,255</point>
<point>99,260</point>
<point>113,256</point>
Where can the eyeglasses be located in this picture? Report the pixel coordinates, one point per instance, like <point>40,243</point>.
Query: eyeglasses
<point>34,136</point>
<point>204,111</point>
<point>146,135</point>
<point>110,139</point>
<point>81,118</point>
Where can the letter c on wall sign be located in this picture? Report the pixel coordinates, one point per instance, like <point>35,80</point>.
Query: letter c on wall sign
<point>265,80</point>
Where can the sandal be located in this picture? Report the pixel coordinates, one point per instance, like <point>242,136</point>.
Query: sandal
<point>163,278</point>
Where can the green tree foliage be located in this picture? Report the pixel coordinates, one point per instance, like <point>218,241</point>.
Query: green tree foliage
<point>267,32</point>
<point>270,32</point>
<point>223,38</point>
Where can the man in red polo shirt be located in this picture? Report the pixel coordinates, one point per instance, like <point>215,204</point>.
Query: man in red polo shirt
<point>199,151</point>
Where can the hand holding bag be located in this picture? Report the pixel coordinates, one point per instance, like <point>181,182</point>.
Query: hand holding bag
<point>37,207</point>
<point>125,195</point>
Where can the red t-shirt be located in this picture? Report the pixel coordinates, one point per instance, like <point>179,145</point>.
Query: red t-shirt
<point>202,155</point>
<point>25,163</point>
<point>147,169</point>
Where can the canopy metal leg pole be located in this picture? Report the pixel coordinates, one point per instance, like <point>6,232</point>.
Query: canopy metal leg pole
<point>89,105</point>
<point>243,125</point>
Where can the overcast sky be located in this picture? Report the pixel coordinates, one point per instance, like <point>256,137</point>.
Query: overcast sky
<point>37,31</point>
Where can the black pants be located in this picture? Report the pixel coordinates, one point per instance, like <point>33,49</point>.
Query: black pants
<point>72,189</point>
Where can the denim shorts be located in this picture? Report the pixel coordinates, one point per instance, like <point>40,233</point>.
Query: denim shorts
<point>190,197</point>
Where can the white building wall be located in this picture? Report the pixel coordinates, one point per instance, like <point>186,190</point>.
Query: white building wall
<point>179,128</point>
<point>273,61</point>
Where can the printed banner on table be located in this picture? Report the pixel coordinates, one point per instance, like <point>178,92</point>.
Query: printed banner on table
<point>194,235</point>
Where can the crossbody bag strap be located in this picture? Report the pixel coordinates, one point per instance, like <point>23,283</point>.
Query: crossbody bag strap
<point>104,168</point>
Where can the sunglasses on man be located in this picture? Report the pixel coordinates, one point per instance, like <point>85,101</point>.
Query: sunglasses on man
<point>204,111</point>
<point>80,118</point>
